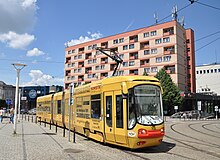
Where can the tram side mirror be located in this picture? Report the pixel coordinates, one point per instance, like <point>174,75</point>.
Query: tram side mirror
<point>124,90</point>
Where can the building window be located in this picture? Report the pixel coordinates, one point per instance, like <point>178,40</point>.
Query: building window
<point>207,71</point>
<point>131,63</point>
<point>115,41</point>
<point>73,51</point>
<point>120,73</point>
<point>125,64</point>
<point>197,72</point>
<point>75,57</point>
<point>158,41</point>
<point>188,49</point>
<point>215,70</point>
<point>158,59</point>
<point>166,58</point>
<point>204,71</point>
<point>80,56</point>
<point>153,33</point>
<point>167,39</point>
<point>200,72</point>
<point>147,70</point>
<point>131,46</point>
<point>211,70</point>
<point>153,51</point>
<point>218,70</point>
<point>146,52</point>
<point>153,69</point>
<point>121,40</point>
<point>89,47</point>
<point>102,66</point>
<point>121,56</point>
<point>72,78</point>
<point>96,67</point>
<point>146,34</point>
<point>187,41</point>
<point>125,47</point>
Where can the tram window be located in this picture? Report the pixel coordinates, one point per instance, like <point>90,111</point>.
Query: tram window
<point>96,109</point>
<point>119,111</point>
<point>109,111</point>
<point>59,107</point>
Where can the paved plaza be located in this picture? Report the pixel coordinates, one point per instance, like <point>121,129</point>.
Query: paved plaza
<point>184,139</point>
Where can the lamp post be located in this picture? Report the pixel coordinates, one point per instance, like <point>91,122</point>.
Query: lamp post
<point>18,67</point>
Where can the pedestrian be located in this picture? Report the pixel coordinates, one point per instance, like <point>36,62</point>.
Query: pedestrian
<point>1,114</point>
<point>11,115</point>
<point>184,116</point>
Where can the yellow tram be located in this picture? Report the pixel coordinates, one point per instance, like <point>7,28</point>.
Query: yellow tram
<point>125,110</point>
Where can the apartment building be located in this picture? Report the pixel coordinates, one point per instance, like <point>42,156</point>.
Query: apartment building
<point>167,45</point>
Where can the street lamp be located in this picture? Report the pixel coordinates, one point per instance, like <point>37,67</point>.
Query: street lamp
<point>18,67</point>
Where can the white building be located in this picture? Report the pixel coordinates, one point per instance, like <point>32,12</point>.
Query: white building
<point>208,79</point>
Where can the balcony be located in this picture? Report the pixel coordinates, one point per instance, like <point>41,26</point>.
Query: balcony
<point>144,45</point>
<point>133,39</point>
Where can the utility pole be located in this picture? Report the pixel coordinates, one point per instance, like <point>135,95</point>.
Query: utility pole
<point>18,67</point>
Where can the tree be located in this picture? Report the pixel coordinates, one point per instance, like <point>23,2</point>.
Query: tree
<point>171,93</point>
<point>145,73</point>
<point>3,103</point>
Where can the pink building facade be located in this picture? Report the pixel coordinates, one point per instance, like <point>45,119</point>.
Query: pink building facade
<point>167,45</point>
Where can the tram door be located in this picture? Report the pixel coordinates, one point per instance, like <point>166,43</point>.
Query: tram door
<point>109,120</point>
<point>120,119</point>
<point>115,128</point>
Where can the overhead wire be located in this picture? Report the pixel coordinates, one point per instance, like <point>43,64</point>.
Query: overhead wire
<point>207,5</point>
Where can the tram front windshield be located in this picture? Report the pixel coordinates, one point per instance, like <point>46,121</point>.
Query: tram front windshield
<point>144,105</point>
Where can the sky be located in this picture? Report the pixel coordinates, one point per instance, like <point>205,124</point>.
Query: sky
<point>34,32</point>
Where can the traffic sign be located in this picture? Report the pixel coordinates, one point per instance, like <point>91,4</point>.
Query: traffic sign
<point>8,101</point>
<point>199,105</point>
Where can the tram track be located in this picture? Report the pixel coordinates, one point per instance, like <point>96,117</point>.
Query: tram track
<point>203,126</point>
<point>201,131</point>
<point>191,146</point>
<point>200,140</point>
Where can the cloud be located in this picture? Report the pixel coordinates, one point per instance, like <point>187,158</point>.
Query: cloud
<point>34,52</point>
<point>82,39</point>
<point>39,78</point>
<point>16,41</point>
<point>29,4</point>
<point>17,15</point>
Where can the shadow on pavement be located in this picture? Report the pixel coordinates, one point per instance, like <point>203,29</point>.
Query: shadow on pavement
<point>164,147</point>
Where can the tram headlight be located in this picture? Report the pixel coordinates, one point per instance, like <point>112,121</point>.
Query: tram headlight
<point>142,133</point>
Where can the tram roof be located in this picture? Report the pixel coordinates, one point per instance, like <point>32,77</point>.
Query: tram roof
<point>118,79</point>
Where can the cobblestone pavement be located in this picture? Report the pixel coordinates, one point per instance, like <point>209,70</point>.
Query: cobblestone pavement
<point>184,139</point>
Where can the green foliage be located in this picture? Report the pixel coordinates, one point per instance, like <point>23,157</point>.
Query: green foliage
<point>171,93</point>
<point>145,73</point>
<point>3,103</point>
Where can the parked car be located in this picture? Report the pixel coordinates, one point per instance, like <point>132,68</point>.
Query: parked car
<point>24,111</point>
<point>32,111</point>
